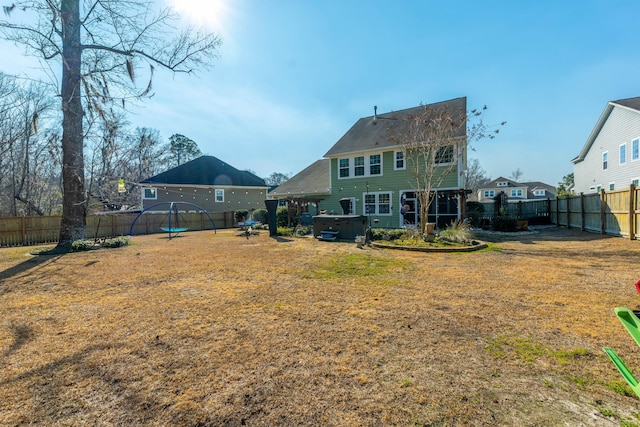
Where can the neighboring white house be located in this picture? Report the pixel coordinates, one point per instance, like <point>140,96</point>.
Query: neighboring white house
<point>610,159</point>
<point>516,191</point>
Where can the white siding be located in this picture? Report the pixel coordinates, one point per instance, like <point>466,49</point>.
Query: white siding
<point>622,126</point>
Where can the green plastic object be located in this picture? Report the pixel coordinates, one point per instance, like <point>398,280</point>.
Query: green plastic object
<point>630,321</point>
<point>626,373</point>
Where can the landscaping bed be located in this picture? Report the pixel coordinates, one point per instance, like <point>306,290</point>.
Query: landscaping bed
<point>218,329</point>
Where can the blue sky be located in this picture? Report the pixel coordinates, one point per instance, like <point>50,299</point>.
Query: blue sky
<point>294,75</point>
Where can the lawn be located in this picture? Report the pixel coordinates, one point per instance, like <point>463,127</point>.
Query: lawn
<point>216,329</point>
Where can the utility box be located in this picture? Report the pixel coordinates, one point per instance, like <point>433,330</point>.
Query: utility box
<point>347,226</point>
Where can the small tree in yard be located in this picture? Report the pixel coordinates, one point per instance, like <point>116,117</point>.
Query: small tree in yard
<point>435,140</point>
<point>99,45</point>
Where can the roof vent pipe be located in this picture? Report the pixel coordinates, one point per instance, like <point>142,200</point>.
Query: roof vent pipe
<point>375,112</point>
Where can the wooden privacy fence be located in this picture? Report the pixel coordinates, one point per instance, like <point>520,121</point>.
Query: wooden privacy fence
<point>33,230</point>
<point>615,212</point>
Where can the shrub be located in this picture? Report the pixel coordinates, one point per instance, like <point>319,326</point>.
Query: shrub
<point>303,230</point>
<point>240,215</point>
<point>285,231</point>
<point>458,232</point>
<point>116,242</point>
<point>282,216</point>
<point>475,212</point>
<point>260,215</point>
<point>505,223</point>
<point>82,245</point>
<point>393,234</point>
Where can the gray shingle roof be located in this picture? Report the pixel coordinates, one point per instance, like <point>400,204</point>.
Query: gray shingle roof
<point>633,103</point>
<point>313,180</point>
<point>375,132</point>
<point>207,170</point>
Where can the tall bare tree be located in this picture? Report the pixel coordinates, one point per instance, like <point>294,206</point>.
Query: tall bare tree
<point>26,113</point>
<point>99,46</point>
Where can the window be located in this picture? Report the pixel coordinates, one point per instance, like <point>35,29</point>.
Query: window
<point>516,193</point>
<point>399,163</point>
<point>503,184</point>
<point>635,182</point>
<point>362,166</point>
<point>150,193</point>
<point>623,154</point>
<point>599,188</point>
<point>219,195</point>
<point>539,192</point>
<point>488,193</point>
<point>612,186</point>
<point>444,155</point>
<point>605,160</point>
<point>635,149</point>
<point>343,167</point>
<point>377,203</point>
<point>358,166</point>
<point>374,164</point>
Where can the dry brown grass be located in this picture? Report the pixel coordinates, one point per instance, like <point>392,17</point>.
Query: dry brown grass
<point>219,330</point>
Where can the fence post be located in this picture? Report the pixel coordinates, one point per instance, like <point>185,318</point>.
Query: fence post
<point>582,213</point>
<point>632,205</point>
<point>603,218</point>
<point>568,212</point>
<point>23,231</point>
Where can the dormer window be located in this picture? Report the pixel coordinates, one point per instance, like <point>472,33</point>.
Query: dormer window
<point>539,192</point>
<point>503,183</point>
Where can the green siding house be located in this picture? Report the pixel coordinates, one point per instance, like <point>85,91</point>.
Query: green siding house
<point>369,167</point>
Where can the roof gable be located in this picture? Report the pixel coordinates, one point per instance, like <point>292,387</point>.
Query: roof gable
<point>206,170</point>
<point>627,103</point>
<point>373,132</point>
<point>314,179</point>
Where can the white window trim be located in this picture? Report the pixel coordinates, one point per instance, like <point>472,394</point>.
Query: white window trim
<point>515,190</point>
<point>348,168</point>
<point>377,203</point>
<point>215,195</point>
<point>605,153</point>
<point>395,160</point>
<point>367,166</point>
<point>612,184</point>
<point>539,192</point>
<point>622,161</point>
<point>492,194</point>
<point>155,192</point>
<point>636,179</point>
<point>637,141</point>
<point>454,156</point>
<point>502,184</point>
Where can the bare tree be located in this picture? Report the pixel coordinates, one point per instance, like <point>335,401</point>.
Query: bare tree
<point>475,176</point>
<point>25,158</point>
<point>435,141</point>
<point>516,174</point>
<point>99,45</point>
<point>276,178</point>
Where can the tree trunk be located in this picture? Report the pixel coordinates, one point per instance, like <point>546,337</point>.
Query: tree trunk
<point>74,219</point>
